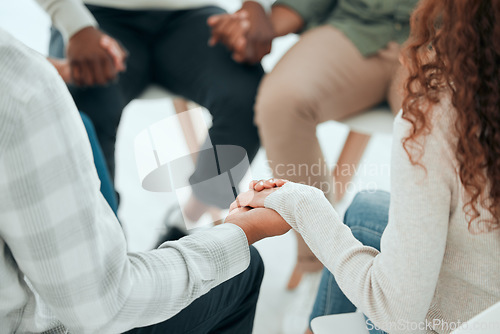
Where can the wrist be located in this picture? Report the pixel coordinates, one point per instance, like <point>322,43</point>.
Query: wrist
<point>285,20</point>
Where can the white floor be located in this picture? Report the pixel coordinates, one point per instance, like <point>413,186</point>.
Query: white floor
<point>278,311</point>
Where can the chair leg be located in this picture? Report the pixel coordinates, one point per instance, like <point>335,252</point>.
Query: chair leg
<point>191,137</point>
<point>187,126</point>
<point>348,161</point>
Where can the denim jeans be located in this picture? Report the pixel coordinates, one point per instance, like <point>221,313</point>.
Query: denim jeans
<point>107,188</point>
<point>367,217</point>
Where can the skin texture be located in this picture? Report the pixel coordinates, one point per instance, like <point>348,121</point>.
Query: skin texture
<point>249,32</point>
<point>248,212</point>
<point>94,58</point>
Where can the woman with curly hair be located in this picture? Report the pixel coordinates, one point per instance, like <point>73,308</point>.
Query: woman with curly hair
<point>437,263</point>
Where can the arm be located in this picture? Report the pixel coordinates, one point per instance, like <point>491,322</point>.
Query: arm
<point>66,239</point>
<point>94,58</point>
<point>299,11</point>
<point>398,283</point>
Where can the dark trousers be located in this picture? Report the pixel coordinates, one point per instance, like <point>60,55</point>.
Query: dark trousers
<point>228,308</point>
<point>170,48</point>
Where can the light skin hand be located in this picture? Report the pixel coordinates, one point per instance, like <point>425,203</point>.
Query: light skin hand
<point>62,68</point>
<point>256,195</point>
<point>258,223</point>
<point>249,214</point>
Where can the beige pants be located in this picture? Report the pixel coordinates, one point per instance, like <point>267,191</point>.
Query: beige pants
<point>323,77</point>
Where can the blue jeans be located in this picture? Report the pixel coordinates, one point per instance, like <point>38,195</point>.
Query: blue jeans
<point>367,217</point>
<point>107,188</point>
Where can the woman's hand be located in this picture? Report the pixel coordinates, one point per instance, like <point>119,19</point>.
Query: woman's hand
<point>257,193</point>
<point>249,214</point>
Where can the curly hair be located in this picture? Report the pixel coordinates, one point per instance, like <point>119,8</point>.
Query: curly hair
<point>454,47</point>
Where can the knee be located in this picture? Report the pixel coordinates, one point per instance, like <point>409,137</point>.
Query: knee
<point>256,267</point>
<point>367,216</point>
<point>288,104</point>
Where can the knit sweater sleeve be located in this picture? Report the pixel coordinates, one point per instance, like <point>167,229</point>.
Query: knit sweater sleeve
<point>394,287</point>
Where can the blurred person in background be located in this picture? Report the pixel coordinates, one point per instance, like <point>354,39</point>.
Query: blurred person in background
<point>115,49</point>
<point>345,62</point>
<point>425,258</point>
<point>64,265</point>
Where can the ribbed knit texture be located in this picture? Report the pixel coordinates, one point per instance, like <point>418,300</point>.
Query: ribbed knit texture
<point>431,274</point>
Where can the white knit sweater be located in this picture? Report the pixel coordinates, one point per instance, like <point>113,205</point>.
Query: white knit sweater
<point>431,273</point>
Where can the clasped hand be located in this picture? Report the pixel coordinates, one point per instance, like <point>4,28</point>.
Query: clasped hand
<point>248,33</point>
<point>248,211</point>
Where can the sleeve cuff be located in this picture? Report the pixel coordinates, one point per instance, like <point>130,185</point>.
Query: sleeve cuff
<point>70,17</point>
<point>301,7</point>
<point>226,248</point>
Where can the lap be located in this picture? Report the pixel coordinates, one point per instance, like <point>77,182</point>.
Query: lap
<point>185,64</point>
<point>227,308</point>
<point>332,74</point>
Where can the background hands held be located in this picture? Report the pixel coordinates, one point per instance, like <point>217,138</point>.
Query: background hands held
<point>248,33</point>
<point>94,58</point>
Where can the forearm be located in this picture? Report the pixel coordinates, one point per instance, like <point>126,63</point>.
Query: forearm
<point>377,283</point>
<point>285,20</point>
<point>69,16</point>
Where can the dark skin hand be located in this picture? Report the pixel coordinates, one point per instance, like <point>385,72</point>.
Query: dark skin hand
<point>248,33</point>
<point>94,58</point>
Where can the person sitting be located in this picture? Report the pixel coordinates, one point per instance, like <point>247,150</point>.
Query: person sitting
<point>64,265</point>
<point>116,49</point>
<point>345,61</point>
<point>437,266</point>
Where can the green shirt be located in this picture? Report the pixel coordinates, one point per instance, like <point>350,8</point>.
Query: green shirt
<point>369,24</point>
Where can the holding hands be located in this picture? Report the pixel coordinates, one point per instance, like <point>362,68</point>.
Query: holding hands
<point>93,58</point>
<point>248,212</point>
<point>248,33</point>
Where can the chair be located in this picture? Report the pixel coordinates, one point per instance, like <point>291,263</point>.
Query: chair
<point>188,124</point>
<point>352,323</point>
<point>362,126</point>
<point>486,322</point>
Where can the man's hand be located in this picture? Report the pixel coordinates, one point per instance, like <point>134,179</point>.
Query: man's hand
<point>94,58</point>
<point>258,223</point>
<point>248,33</point>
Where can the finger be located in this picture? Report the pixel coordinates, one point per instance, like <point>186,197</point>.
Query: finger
<point>239,31</point>
<point>240,45</point>
<point>221,31</point>
<point>98,74</point>
<point>238,57</point>
<point>252,184</point>
<point>214,19</point>
<point>242,14</point>
<point>87,73</point>
<point>265,184</point>
<point>259,186</point>
<point>115,51</point>
<point>108,69</point>
<point>239,210</point>
<point>280,182</point>
<point>76,73</point>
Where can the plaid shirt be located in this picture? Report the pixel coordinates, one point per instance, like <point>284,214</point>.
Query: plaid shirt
<point>64,265</point>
